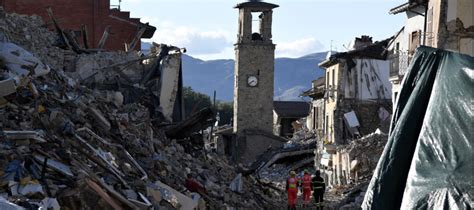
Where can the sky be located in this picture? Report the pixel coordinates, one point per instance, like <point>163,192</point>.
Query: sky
<point>208,28</point>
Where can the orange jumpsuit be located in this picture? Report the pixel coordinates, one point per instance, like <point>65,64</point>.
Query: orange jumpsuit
<point>306,189</point>
<point>291,185</point>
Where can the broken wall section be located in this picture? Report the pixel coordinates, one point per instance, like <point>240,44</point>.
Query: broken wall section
<point>371,115</point>
<point>30,33</point>
<point>367,79</point>
<point>155,79</point>
<point>451,26</point>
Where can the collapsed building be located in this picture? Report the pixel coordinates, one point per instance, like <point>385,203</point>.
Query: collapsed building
<point>288,117</point>
<point>357,101</point>
<point>84,129</point>
<point>94,24</point>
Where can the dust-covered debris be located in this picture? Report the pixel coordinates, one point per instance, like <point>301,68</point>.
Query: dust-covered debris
<point>90,133</point>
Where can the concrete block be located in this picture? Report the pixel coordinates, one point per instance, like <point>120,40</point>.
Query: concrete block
<point>7,87</point>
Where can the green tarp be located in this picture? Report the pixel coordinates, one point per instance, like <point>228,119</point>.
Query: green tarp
<point>428,162</point>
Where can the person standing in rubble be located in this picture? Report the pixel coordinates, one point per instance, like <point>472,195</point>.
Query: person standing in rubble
<point>319,186</point>
<point>292,189</point>
<point>306,184</point>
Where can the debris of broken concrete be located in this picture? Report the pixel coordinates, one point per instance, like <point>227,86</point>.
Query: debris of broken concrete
<point>90,132</point>
<point>363,154</point>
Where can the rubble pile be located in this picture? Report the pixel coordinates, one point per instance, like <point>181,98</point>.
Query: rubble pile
<point>301,137</point>
<point>274,166</point>
<point>64,144</point>
<point>30,33</point>
<point>346,196</point>
<point>364,154</point>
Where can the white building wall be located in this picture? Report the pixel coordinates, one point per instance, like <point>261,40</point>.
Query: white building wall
<point>415,22</point>
<point>369,79</point>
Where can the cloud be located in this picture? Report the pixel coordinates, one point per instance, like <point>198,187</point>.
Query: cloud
<point>197,42</point>
<point>298,48</point>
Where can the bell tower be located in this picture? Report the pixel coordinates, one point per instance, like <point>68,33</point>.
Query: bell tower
<point>254,68</point>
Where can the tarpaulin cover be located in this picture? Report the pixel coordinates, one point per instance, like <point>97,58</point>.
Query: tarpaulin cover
<point>428,160</point>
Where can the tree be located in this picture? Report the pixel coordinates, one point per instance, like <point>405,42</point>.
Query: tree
<point>226,112</point>
<point>194,101</point>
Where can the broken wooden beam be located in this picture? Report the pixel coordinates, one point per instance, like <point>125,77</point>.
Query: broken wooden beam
<point>137,37</point>
<point>105,35</point>
<point>194,123</point>
<point>60,32</point>
<point>71,38</point>
<point>103,194</point>
<point>85,37</point>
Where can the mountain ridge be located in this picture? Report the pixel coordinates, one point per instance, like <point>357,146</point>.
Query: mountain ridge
<point>292,75</point>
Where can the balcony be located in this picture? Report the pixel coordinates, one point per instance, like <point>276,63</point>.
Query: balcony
<point>315,93</point>
<point>399,63</point>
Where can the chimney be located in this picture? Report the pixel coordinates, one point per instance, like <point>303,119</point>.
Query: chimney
<point>362,42</point>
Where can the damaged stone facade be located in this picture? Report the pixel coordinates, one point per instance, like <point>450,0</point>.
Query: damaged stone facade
<point>315,119</point>
<point>452,24</point>
<point>357,102</point>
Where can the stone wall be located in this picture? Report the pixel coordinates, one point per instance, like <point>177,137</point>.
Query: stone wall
<point>253,106</point>
<point>253,144</point>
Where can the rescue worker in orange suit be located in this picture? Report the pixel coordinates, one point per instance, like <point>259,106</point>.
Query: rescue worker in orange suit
<point>319,186</point>
<point>292,188</point>
<point>307,187</point>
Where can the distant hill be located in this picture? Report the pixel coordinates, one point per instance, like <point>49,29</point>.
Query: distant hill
<point>292,75</point>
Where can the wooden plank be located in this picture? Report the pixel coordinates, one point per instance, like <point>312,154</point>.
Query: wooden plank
<point>103,194</point>
<point>194,123</point>
<point>105,35</point>
<point>85,36</point>
<point>58,28</point>
<point>137,37</point>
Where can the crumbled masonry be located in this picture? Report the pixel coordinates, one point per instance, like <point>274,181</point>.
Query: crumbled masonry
<point>89,134</point>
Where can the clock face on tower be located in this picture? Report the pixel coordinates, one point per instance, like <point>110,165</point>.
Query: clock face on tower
<point>252,81</point>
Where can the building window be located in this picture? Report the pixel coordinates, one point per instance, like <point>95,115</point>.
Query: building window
<point>326,123</point>
<point>327,80</point>
<point>415,38</point>
<point>333,75</point>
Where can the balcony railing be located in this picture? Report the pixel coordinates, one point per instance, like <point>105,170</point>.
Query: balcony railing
<point>399,63</point>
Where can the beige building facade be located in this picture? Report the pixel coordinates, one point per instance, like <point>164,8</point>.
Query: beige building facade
<point>451,23</point>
